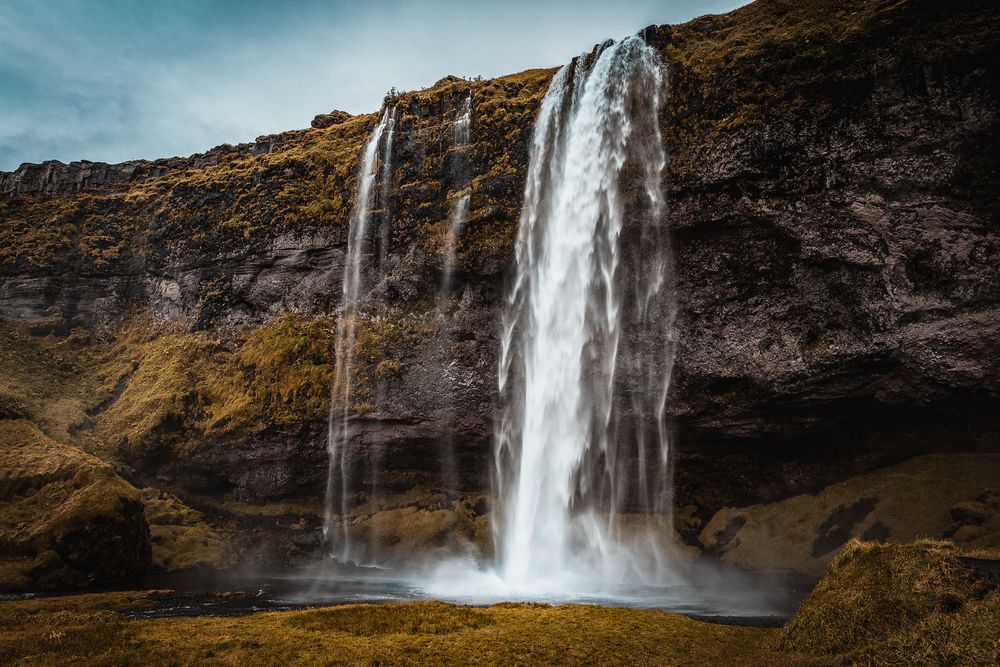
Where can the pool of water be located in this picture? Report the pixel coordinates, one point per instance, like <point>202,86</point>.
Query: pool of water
<point>710,594</point>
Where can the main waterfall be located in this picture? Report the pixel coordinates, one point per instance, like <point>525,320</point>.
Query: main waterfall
<point>582,466</point>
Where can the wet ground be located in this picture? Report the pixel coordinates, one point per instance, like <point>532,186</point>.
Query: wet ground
<point>713,595</point>
<point>729,597</point>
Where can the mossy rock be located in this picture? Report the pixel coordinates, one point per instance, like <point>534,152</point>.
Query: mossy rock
<point>876,593</point>
<point>945,496</point>
<point>181,537</point>
<point>66,518</point>
<point>180,389</point>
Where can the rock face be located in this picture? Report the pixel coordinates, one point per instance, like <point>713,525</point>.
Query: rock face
<point>66,518</point>
<point>832,188</point>
<point>938,496</point>
<point>55,178</point>
<point>327,119</point>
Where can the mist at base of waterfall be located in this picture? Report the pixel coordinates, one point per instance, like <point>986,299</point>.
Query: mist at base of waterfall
<point>703,589</point>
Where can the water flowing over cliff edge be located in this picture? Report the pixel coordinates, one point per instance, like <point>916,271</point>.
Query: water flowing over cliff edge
<point>565,465</point>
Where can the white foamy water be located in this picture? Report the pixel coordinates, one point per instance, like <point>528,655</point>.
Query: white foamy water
<point>579,504</point>
<point>336,534</point>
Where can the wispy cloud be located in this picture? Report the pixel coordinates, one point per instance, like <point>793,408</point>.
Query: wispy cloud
<point>118,79</point>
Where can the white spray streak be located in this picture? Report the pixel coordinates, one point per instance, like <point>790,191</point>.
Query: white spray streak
<point>338,450</point>
<point>460,209</point>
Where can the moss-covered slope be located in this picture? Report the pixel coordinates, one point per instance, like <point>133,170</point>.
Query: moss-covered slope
<point>898,604</point>
<point>950,496</point>
<point>66,518</point>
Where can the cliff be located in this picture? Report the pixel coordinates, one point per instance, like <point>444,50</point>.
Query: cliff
<point>832,183</point>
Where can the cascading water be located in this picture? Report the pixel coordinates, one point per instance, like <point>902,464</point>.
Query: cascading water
<point>586,349</point>
<point>385,227</point>
<point>462,131</point>
<point>461,173</point>
<point>582,469</point>
<point>337,541</point>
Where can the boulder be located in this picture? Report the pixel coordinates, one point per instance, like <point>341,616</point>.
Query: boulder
<point>329,119</point>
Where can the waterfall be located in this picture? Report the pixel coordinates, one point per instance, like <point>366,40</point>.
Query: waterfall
<point>462,133</point>
<point>585,343</point>
<point>461,174</point>
<point>338,475</point>
<point>385,227</point>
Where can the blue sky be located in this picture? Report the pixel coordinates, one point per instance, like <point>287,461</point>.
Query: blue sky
<point>112,80</point>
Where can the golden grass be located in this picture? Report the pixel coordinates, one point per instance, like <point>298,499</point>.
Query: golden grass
<point>411,633</point>
<point>180,388</point>
<point>970,637</point>
<point>180,537</point>
<point>57,504</point>
<point>47,380</point>
<point>879,605</point>
<point>910,604</point>
<point>873,592</point>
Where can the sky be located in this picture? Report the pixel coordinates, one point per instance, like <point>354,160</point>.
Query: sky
<point>113,80</point>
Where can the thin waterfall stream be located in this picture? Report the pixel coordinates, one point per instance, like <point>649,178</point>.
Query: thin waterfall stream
<point>462,134</point>
<point>336,528</point>
<point>461,172</point>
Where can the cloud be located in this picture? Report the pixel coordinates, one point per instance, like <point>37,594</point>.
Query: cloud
<point>113,80</point>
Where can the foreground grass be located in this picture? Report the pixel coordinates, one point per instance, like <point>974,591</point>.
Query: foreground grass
<point>897,604</point>
<point>71,631</point>
<point>914,604</point>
